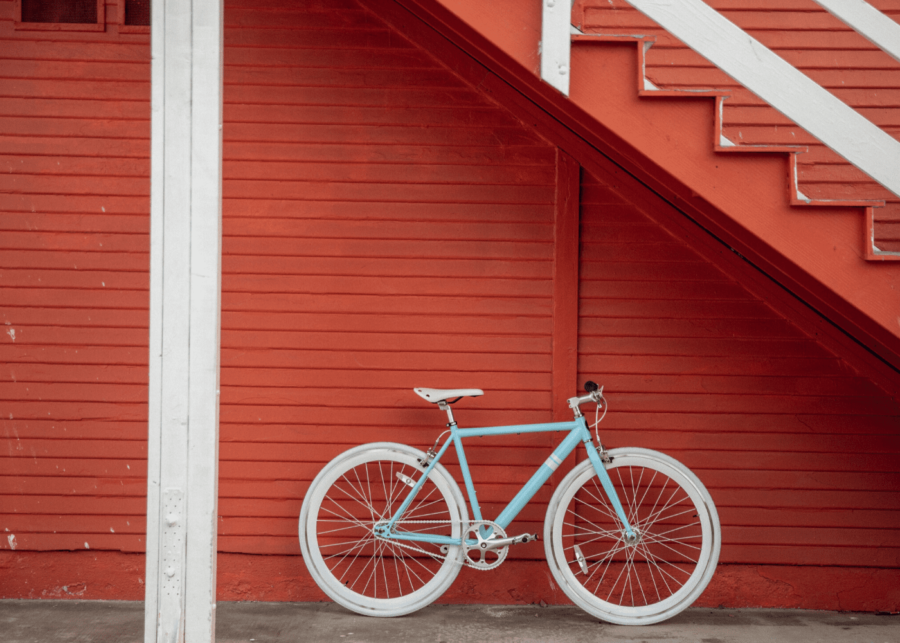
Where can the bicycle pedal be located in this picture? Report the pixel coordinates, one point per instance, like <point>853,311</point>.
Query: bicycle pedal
<point>524,538</point>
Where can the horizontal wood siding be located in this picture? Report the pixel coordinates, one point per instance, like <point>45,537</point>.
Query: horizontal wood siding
<point>815,42</point>
<point>74,278</point>
<point>386,226</point>
<point>799,452</point>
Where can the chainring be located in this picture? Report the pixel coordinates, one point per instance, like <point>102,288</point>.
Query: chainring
<point>484,558</point>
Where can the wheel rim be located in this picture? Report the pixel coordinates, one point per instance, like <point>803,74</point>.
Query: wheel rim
<point>663,569</point>
<point>355,565</point>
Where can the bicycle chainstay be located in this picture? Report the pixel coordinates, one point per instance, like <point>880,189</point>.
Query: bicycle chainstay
<point>469,525</point>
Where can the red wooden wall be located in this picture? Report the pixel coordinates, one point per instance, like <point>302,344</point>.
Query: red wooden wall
<point>388,224</point>
<point>74,262</point>
<point>798,450</point>
<point>818,44</point>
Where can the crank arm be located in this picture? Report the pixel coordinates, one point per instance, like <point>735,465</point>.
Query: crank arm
<point>513,540</point>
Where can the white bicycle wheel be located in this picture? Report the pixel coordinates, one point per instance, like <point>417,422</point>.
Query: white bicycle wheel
<point>370,575</point>
<point>668,565</point>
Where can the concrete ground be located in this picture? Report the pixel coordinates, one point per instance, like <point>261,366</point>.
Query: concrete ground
<point>40,621</point>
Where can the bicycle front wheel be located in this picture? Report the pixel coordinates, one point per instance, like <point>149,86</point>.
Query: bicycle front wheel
<point>371,575</point>
<point>664,569</point>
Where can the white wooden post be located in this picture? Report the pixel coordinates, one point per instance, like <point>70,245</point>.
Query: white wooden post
<point>556,42</point>
<point>185,276</point>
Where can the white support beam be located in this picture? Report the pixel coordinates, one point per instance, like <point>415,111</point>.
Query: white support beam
<point>869,21</point>
<point>185,251</point>
<point>556,43</point>
<point>781,85</point>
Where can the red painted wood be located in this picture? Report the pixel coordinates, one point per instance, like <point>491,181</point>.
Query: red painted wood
<point>117,576</point>
<point>565,285</point>
<point>807,36</point>
<point>74,135</point>
<point>390,222</point>
<point>752,439</point>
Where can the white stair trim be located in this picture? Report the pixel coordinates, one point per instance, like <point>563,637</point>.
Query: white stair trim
<point>556,43</point>
<point>868,21</point>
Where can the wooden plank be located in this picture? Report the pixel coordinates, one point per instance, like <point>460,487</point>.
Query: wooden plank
<point>80,541</point>
<point>96,242</point>
<point>74,278</point>
<point>394,153</point>
<point>274,246</point>
<point>377,360</point>
<point>409,342</point>
<point>337,230</point>
<point>75,89</point>
<point>103,374</point>
<point>407,97</point>
<point>73,70</point>
<point>406,380</point>
<point>98,296</point>
<point>60,108</point>
<point>115,392</point>
<point>479,117</point>
<point>386,322</point>
<point>397,59</point>
<point>454,287</point>
<point>318,133</point>
<point>87,317</point>
<point>772,329</point>
<point>360,39</point>
<point>473,173</point>
<point>250,267</point>
<point>135,49</point>
<point>133,508</point>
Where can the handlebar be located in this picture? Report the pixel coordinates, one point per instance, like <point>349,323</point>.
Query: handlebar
<point>595,394</point>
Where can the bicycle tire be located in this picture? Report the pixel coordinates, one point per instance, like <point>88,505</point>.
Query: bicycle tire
<point>669,565</point>
<point>372,576</point>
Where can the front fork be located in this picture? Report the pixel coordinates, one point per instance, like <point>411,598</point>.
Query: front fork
<point>600,470</point>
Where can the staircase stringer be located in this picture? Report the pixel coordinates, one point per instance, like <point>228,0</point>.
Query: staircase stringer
<point>647,89</point>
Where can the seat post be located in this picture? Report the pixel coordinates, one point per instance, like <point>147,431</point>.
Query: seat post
<point>442,405</point>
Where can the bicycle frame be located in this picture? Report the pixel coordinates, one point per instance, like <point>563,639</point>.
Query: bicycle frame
<point>578,432</point>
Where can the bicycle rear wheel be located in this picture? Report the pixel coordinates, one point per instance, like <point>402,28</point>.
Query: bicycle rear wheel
<point>670,562</point>
<point>370,575</point>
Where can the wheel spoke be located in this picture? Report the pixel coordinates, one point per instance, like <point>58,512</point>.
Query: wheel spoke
<point>650,564</point>
<point>666,573</point>
<point>349,516</point>
<point>601,498</point>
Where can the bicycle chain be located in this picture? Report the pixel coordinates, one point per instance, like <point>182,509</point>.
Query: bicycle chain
<point>467,562</point>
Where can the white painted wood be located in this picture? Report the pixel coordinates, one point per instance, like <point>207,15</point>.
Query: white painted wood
<point>781,85</point>
<point>556,43</point>
<point>186,114</point>
<point>154,406</point>
<point>205,283</point>
<point>869,21</point>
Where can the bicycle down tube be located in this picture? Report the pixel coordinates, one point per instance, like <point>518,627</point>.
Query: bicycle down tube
<point>578,432</point>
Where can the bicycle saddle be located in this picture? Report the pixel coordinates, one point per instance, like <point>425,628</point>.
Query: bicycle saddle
<point>435,395</point>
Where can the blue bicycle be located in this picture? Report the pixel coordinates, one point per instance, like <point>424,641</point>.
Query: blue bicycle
<point>631,535</point>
